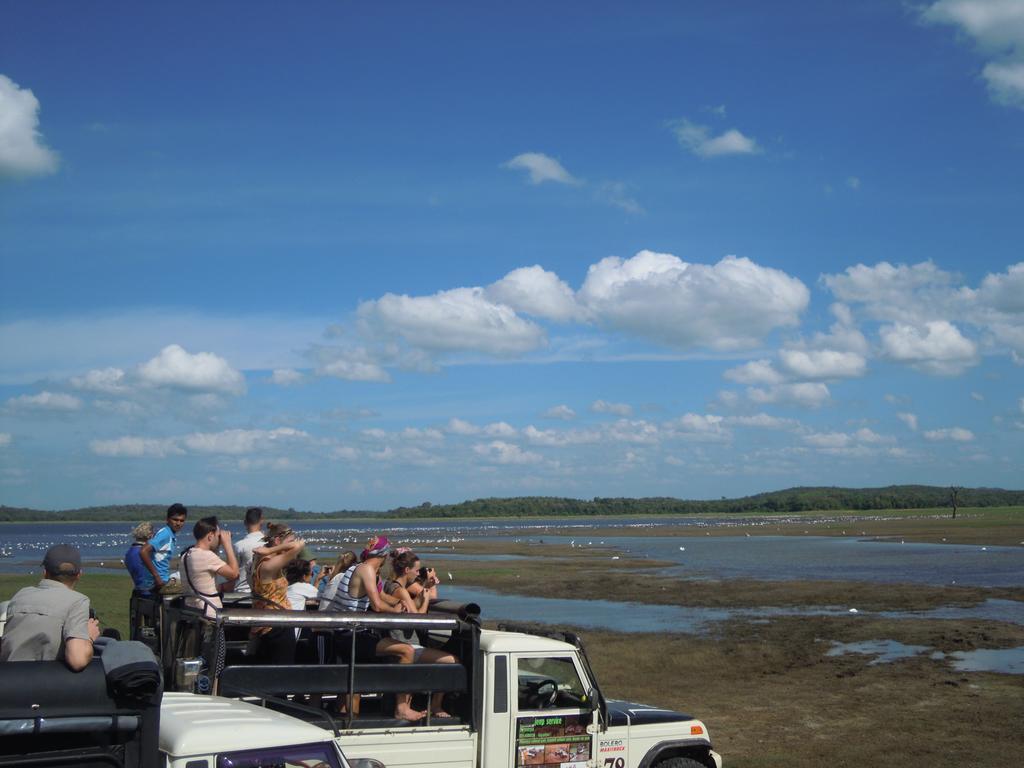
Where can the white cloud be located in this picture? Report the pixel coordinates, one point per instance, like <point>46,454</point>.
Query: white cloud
<point>822,363</point>
<point>633,431</point>
<point>203,371</point>
<point>762,421</point>
<point>699,140</point>
<point>729,305</point>
<point>541,168</point>
<point>901,292</point>
<point>22,152</point>
<point>354,370</point>
<point>107,380</point>
<point>500,429</point>
<point>1004,291</point>
<point>500,452</point>
<point>828,439</point>
<point>853,182</point>
<point>997,26</point>
<point>414,434</point>
<point>344,453</point>
<point>5,439</point>
<point>805,394</point>
<point>696,426</point>
<point>863,442</point>
<point>937,348</point>
<point>910,419</point>
<point>561,412</point>
<point>535,291</point>
<point>617,409</point>
<point>461,319</point>
<point>239,441</point>
<point>285,377</point>
<point>1020,403</point>
<point>555,438</point>
<point>45,401</point>
<point>977,397</point>
<point>755,372</point>
<point>956,434</point>
<point>460,427</point>
<point>136,447</point>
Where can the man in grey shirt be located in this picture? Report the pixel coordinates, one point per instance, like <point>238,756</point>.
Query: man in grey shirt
<point>51,621</point>
<point>245,546</point>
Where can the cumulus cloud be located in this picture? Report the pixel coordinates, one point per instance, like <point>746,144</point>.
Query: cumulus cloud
<point>910,419</point>
<point>22,152</point>
<point>617,409</point>
<point>231,442</point>
<point>204,371</point>
<point>111,381</point>
<point>555,438</point>
<point>937,348</point>
<point>561,412</point>
<point>955,434</point>
<point>541,168</point>
<point>997,27</point>
<point>500,429</point>
<point>285,377</point>
<point>5,439</point>
<point>901,292</point>
<point>535,291</point>
<point>699,140</point>
<point>460,427</point>
<point>729,305</point>
<point>45,401</point>
<point>501,452</point>
<point>461,319</point>
<point>806,394</point>
<point>1004,291</point>
<point>136,447</point>
<point>354,370</point>
<point>762,421</point>
<point>862,442</point>
<point>696,426</point>
<point>238,441</point>
<point>822,363</point>
<point>755,372</point>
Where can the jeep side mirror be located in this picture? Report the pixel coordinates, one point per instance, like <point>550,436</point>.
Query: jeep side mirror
<point>592,699</point>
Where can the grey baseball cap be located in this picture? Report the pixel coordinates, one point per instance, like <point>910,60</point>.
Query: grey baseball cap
<point>63,558</point>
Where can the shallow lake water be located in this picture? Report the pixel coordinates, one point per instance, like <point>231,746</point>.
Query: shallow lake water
<point>697,556</point>
<point>1003,660</point>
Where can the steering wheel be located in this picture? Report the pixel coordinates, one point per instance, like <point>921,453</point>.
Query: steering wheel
<point>541,694</point>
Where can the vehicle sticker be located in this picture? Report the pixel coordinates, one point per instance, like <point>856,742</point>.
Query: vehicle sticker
<point>559,740</point>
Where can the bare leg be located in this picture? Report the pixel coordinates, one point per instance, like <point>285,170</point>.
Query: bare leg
<point>404,653</point>
<point>437,656</point>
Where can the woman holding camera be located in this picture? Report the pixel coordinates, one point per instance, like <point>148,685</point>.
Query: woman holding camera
<point>414,587</point>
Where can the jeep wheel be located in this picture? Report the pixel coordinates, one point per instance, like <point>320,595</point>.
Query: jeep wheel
<point>679,762</point>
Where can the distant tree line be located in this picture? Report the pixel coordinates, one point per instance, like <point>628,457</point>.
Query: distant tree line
<point>789,500</point>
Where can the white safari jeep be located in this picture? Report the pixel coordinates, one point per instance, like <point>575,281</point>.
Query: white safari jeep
<point>518,697</point>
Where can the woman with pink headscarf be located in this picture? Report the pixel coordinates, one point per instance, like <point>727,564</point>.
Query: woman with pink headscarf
<point>358,591</point>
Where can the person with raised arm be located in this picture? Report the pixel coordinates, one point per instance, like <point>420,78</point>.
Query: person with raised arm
<point>273,645</point>
<point>200,566</point>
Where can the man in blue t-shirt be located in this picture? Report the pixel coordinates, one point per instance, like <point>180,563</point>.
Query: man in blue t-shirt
<point>163,547</point>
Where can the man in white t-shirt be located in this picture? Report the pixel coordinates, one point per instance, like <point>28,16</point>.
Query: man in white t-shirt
<point>245,546</point>
<point>200,566</point>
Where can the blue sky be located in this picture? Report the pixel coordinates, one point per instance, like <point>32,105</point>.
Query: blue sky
<point>356,257</point>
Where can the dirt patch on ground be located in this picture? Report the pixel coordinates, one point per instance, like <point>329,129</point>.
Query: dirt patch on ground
<point>771,697</point>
